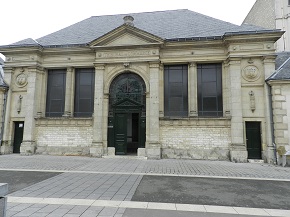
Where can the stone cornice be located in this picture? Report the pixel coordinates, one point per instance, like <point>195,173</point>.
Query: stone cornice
<point>278,82</point>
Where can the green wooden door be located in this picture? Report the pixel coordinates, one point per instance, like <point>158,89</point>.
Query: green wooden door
<point>253,136</point>
<point>18,136</point>
<point>120,133</point>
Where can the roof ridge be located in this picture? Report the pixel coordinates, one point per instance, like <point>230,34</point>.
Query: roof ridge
<point>144,12</point>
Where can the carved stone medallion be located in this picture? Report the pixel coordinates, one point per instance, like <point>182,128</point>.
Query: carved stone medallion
<point>21,80</point>
<point>251,73</point>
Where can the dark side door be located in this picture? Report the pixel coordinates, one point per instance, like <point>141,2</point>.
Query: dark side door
<point>18,136</point>
<point>253,136</point>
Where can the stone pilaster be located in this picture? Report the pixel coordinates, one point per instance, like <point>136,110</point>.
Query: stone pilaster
<point>153,147</point>
<point>97,149</point>
<point>269,152</point>
<point>40,94</point>
<point>68,106</point>
<point>7,146</point>
<point>238,151</point>
<point>28,145</point>
<point>192,89</point>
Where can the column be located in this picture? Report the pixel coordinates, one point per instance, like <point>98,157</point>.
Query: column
<point>192,89</point>
<point>97,149</point>
<point>28,145</point>
<point>269,69</point>
<point>7,146</point>
<point>238,151</point>
<point>153,147</point>
<point>68,93</point>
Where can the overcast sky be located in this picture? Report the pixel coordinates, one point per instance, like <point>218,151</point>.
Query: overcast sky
<point>21,19</point>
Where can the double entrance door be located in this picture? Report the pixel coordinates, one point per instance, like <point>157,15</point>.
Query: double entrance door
<point>126,132</point>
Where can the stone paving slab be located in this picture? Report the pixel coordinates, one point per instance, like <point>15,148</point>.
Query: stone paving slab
<point>20,179</point>
<point>118,208</point>
<point>84,186</point>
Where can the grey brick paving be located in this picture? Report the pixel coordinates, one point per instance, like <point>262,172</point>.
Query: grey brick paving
<point>135,166</point>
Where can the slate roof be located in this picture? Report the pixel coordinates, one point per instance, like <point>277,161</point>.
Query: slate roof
<point>27,42</point>
<point>169,25</point>
<point>282,67</point>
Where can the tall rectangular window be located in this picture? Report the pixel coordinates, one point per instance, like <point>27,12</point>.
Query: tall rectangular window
<point>55,97</point>
<point>84,92</point>
<point>175,90</point>
<point>209,89</point>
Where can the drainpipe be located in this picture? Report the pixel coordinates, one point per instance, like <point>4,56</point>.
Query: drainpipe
<point>272,122</point>
<point>3,115</point>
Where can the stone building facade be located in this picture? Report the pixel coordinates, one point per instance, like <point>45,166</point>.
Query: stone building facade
<point>170,84</point>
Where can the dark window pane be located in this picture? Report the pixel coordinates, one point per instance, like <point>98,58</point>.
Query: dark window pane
<point>209,85</point>
<point>85,79</point>
<point>175,76</point>
<point>84,92</point>
<point>85,105</point>
<point>209,89</point>
<point>209,104</point>
<point>175,90</point>
<point>55,93</point>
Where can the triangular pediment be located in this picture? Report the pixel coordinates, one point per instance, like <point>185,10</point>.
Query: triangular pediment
<point>127,103</point>
<point>126,36</point>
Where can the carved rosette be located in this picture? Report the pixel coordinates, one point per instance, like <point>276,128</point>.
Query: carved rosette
<point>251,73</point>
<point>21,80</point>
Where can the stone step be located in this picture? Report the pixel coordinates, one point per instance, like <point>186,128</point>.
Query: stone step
<point>259,161</point>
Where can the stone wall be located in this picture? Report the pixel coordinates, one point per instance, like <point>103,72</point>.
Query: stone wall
<point>195,139</point>
<point>262,14</point>
<point>281,111</point>
<point>63,136</point>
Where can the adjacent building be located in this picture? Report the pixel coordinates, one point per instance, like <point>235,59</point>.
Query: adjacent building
<point>168,84</point>
<point>276,14</point>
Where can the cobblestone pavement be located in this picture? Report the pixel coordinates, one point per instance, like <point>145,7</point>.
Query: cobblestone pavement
<point>104,187</point>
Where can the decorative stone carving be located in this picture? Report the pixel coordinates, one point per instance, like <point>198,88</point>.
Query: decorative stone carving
<point>250,61</point>
<point>251,73</point>
<point>126,65</point>
<point>19,104</point>
<point>128,20</point>
<point>252,101</point>
<point>21,80</point>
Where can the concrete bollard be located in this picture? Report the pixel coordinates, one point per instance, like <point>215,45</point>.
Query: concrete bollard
<point>3,199</point>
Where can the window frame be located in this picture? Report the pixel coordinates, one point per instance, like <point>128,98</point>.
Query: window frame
<point>170,97</point>
<point>207,97</point>
<point>79,92</point>
<point>60,96</point>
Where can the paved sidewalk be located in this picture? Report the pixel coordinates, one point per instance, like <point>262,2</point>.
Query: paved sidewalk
<point>124,165</point>
<point>105,187</point>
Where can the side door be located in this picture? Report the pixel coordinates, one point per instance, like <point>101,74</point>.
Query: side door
<point>18,136</point>
<point>253,136</point>
<point>120,133</point>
